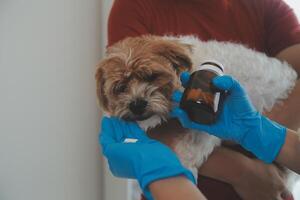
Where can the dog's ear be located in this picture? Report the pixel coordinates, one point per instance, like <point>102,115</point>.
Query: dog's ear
<point>177,53</point>
<point>100,80</point>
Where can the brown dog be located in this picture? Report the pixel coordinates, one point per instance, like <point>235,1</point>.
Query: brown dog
<point>139,75</point>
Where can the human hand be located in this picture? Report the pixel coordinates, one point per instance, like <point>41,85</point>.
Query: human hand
<point>140,158</point>
<point>262,181</point>
<point>238,121</point>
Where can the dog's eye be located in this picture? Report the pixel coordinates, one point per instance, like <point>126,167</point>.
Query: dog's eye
<point>119,88</point>
<point>151,77</point>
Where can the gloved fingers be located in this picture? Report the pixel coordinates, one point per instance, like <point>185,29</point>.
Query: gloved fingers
<point>182,116</point>
<point>176,96</point>
<point>227,82</point>
<point>185,77</point>
<point>115,130</point>
<point>128,130</point>
<point>107,135</point>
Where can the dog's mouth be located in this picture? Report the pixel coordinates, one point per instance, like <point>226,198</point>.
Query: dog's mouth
<point>132,117</point>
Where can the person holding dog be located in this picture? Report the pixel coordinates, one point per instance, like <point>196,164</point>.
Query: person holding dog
<point>158,170</point>
<point>269,26</point>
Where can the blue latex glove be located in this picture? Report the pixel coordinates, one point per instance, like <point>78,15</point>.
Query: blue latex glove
<point>146,160</point>
<point>238,121</point>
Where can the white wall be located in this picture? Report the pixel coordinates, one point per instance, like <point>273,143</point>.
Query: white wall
<point>48,112</point>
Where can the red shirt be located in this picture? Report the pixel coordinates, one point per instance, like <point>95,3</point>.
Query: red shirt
<point>265,25</point>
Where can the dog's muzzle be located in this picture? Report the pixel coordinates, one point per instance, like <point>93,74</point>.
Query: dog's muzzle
<point>138,106</point>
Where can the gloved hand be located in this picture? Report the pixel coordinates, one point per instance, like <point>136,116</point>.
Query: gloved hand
<point>238,121</point>
<point>145,159</point>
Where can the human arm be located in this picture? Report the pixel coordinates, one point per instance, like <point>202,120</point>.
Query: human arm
<point>282,40</point>
<point>234,165</point>
<point>290,151</point>
<point>131,154</point>
<point>227,166</point>
<point>266,181</point>
<point>291,56</point>
<point>176,188</point>
<point>239,121</point>
<point>288,112</point>
<point>288,156</point>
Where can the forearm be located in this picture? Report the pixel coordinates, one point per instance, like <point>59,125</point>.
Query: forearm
<point>289,153</point>
<point>291,56</point>
<point>225,165</point>
<point>176,188</point>
<point>288,113</point>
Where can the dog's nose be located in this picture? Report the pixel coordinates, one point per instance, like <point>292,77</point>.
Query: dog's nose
<point>138,106</point>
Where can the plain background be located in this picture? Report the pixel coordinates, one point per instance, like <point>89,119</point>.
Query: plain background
<point>48,110</point>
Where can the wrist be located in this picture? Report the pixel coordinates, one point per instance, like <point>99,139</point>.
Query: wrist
<point>265,139</point>
<point>175,188</point>
<point>289,153</point>
<point>160,174</point>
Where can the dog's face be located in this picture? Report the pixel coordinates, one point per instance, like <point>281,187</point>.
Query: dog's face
<point>136,79</point>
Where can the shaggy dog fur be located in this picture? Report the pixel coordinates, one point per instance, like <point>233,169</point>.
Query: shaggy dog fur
<point>147,68</point>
